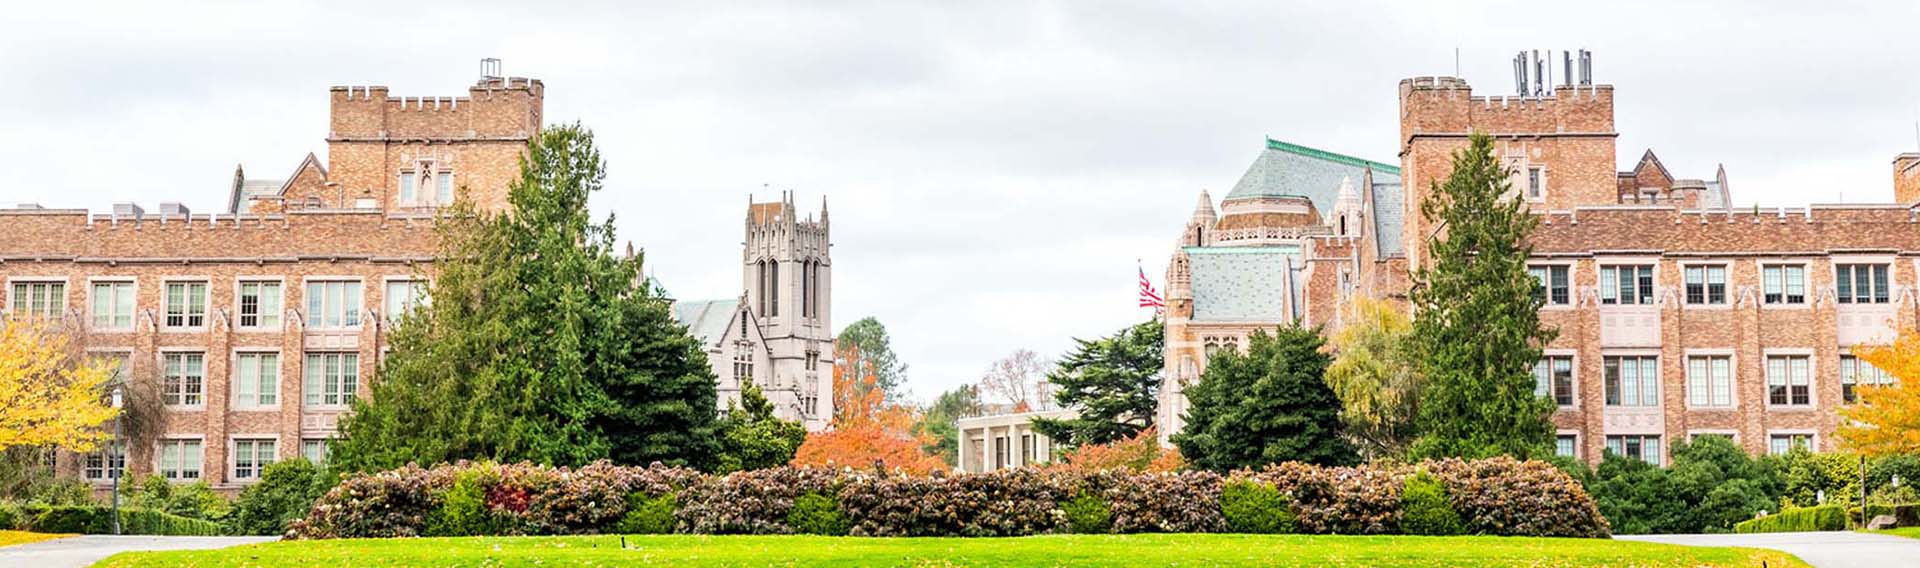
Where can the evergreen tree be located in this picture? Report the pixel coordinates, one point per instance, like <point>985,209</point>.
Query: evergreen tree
<point>1113,382</point>
<point>1477,319</point>
<point>539,343</point>
<point>939,422</point>
<point>874,351</point>
<point>753,438</point>
<point>1267,406</point>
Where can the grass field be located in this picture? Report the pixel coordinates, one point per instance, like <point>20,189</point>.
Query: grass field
<point>1909,532</point>
<point>9,538</point>
<point>1054,550</point>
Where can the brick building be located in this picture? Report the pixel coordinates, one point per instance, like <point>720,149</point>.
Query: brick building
<point>1680,314</point>
<point>256,325</point>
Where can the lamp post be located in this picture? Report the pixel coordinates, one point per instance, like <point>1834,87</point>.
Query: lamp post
<point>112,472</point>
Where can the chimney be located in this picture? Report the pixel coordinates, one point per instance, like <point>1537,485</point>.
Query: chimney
<point>1906,178</point>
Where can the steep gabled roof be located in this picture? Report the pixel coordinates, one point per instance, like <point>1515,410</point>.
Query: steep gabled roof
<point>1287,169</point>
<point>245,190</point>
<point>707,320</point>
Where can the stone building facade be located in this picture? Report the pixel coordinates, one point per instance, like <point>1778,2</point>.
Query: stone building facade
<point>1679,314</point>
<point>256,325</point>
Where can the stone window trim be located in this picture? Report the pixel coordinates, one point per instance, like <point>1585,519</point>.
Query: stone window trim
<point>1813,438</point>
<point>233,379</point>
<point>1579,449</point>
<point>1600,271</point>
<point>1573,283</point>
<point>1731,434</point>
<point>206,303</point>
<point>104,463</point>
<point>426,193</point>
<point>1813,379</point>
<point>312,320</point>
<point>1806,283</point>
<point>242,281</point>
<point>66,287</point>
<point>91,316</point>
<point>159,451</point>
<point>1728,292</point>
<point>1865,297</point>
<point>1659,366</point>
<point>1875,376</point>
<point>1733,378</point>
<point>386,284</point>
<point>160,374</point>
<point>313,387</point>
<point>232,466</point>
<point>1573,354</point>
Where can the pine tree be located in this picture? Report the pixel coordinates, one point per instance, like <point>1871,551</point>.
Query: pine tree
<point>1113,382</point>
<point>751,437</point>
<point>539,343</point>
<point>1267,406</point>
<point>1477,319</point>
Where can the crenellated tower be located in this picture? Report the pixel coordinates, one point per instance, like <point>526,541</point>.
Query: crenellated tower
<point>787,273</point>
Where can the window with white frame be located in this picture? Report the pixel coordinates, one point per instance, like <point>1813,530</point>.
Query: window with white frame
<point>112,305</point>
<point>1861,283</point>
<point>179,460</point>
<point>38,299</point>
<point>1536,182</point>
<point>1781,444</point>
<point>259,304</point>
<point>1788,381</point>
<point>251,456</point>
<point>108,462</point>
<point>1706,285</point>
<point>1553,379</point>
<point>402,296</point>
<point>1632,380</point>
<point>333,303</point>
<point>743,362</point>
<point>1784,284</point>
<point>332,378</point>
<point>314,450</point>
<point>183,378</point>
<point>256,378</point>
<point>1854,373</point>
<point>186,304</point>
<point>1553,286</point>
<point>1631,284</point>
<point>1566,445</point>
<point>426,185</point>
<point>1643,447</point>
<point>1710,381</point>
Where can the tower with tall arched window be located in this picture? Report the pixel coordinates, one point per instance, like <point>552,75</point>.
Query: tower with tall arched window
<point>787,276</point>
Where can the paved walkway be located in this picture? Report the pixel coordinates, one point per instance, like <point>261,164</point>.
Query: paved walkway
<point>1821,549</point>
<point>82,551</point>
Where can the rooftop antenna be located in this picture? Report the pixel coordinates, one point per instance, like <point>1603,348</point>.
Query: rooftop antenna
<point>490,68</point>
<point>1520,73</point>
<point>1456,61</point>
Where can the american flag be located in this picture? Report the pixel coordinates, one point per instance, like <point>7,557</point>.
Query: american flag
<point>1148,297</point>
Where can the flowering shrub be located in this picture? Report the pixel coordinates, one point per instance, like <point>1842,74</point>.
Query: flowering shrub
<point>1498,496</point>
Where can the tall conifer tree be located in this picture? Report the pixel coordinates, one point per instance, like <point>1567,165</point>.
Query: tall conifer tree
<point>1113,382</point>
<point>1267,406</point>
<point>1477,318</point>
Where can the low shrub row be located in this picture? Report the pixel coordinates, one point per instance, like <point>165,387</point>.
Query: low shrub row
<point>1904,515</point>
<point>95,519</point>
<point>1821,518</point>
<point>1498,497</point>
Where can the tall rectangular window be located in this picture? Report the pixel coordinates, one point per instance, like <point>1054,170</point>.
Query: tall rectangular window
<point>1781,444</point>
<point>1536,183</point>
<point>251,456</point>
<point>1706,285</point>
<point>183,377</point>
<point>1645,448</point>
<point>333,303</point>
<point>1788,381</point>
<point>179,459</point>
<point>38,299</point>
<point>1553,378</point>
<point>256,378</point>
<point>443,188</point>
<point>314,450</point>
<point>1861,283</point>
<point>108,462</point>
<point>113,305</point>
<point>1784,284</point>
<point>332,379</point>
<point>403,296</point>
<point>1626,284</point>
<point>407,190</point>
<point>1566,445</point>
<point>1632,380</point>
<point>186,304</point>
<point>1553,286</point>
<point>1709,381</point>
<point>743,363</point>
<point>259,305</point>
<point>1854,372</point>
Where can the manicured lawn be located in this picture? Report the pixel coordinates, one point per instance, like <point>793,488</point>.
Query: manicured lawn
<point>1056,550</point>
<point>9,538</point>
<point>1909,532</point>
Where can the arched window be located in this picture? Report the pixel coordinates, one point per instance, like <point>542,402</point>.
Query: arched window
<point>773,288</point>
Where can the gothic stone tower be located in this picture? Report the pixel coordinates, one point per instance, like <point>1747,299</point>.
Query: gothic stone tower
<point>787,271</point>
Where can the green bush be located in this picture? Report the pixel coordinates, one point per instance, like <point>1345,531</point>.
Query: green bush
<point>95,519</point>
<point>1087,513</point>
<point>9,516</point>
<point>285,492</point>
<point>1821,518</point>
<point>1424,509</point>
<point>463,508</point>
<point>815,513</point>
<point>191,500</point>
<point>648,515</point>
<point>1254,507</point>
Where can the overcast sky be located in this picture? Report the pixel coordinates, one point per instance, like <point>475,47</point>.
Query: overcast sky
<point>994,168</point>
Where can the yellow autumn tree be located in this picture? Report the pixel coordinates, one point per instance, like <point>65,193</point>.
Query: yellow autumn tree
<point>48,394</point>
<point>1887,420</point>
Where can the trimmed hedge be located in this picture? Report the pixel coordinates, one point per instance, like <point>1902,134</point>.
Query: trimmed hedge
<point>1821,518</point>
<point>1499,496</point>
<point>1254,507</point>
<point>1904,514</point>
<point>1424,508</point>
<point>95,519</point>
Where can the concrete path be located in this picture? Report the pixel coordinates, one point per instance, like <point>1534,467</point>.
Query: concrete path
<point>1821,549</point>
<point>84,550</point>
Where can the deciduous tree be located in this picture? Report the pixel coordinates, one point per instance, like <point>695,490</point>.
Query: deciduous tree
<point>939,423</point>
<point>1018,380</point>
<point>49,396</point>
<point>875,349</point>
<point>869,431</point>
<point>1267,406</point>
<point>1377,379</point>
<point>1887,419</point>
<point>1113,383</point>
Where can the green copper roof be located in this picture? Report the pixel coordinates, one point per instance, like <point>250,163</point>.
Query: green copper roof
<point>1325,155</point>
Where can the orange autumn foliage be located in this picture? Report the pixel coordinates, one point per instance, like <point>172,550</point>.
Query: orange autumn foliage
<point>867,430</point>
<point>1887,420</point>
<point>1142,452</point>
